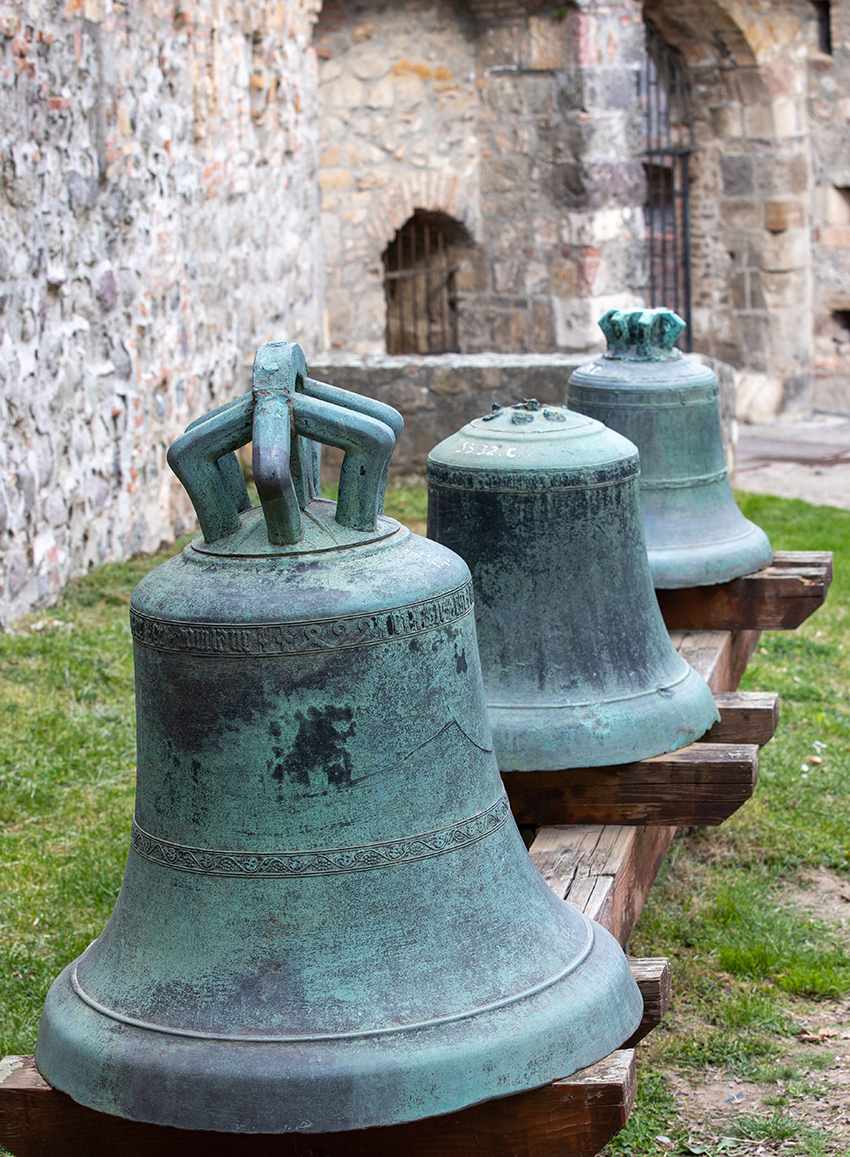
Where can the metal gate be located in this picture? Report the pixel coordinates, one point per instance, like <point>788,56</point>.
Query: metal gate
<point>419,283</point>
<point>668,143</point>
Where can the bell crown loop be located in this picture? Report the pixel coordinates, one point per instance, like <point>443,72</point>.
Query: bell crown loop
<point>642,334</point>
<point>286,416</point>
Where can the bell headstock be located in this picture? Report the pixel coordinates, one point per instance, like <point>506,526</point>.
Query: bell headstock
<point>286,416</point>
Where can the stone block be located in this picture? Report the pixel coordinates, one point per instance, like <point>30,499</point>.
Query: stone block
<point>381,95</point>
<point>786,290</point>
<point>547,43</point>
<point>543,325</point>
<point>369,65</point>
<point>500,46</point>
<point>737,175</point>
<point>536,278</point>
<point>727,122</point>
<point>738,295</point>
<point>837,236</point>
<point>789,118</point>
<point>832,205</point>
<point>741,213</point>
<point>756,288</point>
<point>346,92</point>
<point>510,332</point>
<point>758,122</point>
<point>448,381</point>
<point>786,251</point>
<point>330,179</point>
<point>759,396</point>
<point>782,215</point>
<point>783,29</point>
<point>754,331</point>
<point>577,319</point>
<point>564,277</point>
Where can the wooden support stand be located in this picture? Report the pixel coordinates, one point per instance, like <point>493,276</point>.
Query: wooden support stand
<point>779,597</point>
<point>608,869</point>
<point>702,784</point>
<point>576,1116</point>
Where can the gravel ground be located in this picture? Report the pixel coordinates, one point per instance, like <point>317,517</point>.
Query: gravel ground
<point>808,459</point>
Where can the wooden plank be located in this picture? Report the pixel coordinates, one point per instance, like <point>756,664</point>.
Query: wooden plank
<point>573,1117</point>
<point>745,717</point>
<point>653,978</point>
<point>606,870</point>
<point>780,597</point>
<point>721,657</point>
<point>702,784</point>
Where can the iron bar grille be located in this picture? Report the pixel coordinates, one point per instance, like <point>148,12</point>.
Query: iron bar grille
<point>419,283</point>
<point>668,137</point>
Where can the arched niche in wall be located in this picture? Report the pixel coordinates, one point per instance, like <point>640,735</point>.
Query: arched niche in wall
<point>421,266</point>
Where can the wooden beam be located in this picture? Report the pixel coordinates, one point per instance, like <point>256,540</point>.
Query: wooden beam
<point>721,657</point>
<point>573,1117</point>
<point>606,870</point>
<point>654,981</point>
<point>702,784</point>
<point>745,717</point>
<point>780,597</point>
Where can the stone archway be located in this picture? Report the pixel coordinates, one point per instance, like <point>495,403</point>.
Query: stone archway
<point>750,191</point>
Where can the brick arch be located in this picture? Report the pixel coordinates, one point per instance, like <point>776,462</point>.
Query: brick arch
<point>428,189</point>
<point>736,31</point>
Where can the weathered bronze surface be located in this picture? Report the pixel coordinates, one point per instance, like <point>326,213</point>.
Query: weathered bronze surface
<point>328,918</point>
<point>579,670</point>
<point>668,405</point>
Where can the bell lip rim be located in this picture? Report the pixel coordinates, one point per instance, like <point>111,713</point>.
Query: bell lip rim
<point>362,1034</point>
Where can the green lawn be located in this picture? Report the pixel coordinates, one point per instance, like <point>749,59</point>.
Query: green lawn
<point>747,963</point>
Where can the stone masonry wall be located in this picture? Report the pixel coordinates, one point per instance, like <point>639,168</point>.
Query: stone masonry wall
<point>158,221</point>
<point>829,119</point>
<point>398,105</point>
<point>518,121</point>
<point>750,190</point>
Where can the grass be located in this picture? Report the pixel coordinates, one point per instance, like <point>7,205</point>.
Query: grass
<point>747,964</point>
<point>749,967</point>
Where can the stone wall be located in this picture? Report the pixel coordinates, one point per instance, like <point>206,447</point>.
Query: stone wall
<point>829,119</point>
<point>158,221</point>
<point>518,123</point>
<point>439,394</point>
<point>750,190</point>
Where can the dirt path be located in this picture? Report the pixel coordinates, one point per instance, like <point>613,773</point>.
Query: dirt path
<point>812,1094</point>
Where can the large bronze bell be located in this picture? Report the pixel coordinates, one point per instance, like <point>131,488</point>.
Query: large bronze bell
<point>668,405</point>
<point>579,670</point>
<point>328,918</point>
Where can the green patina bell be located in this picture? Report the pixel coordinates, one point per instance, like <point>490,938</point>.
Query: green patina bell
<point>668,405</point>
<point>579,670</point>
<point>328,918</point>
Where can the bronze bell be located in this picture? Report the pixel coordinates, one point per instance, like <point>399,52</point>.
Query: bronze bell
<point>668,405</point>
<point>579,670</point>
<point>328,918</point>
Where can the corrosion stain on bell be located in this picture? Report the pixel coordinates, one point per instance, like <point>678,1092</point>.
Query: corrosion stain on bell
<point>579,670</point>
<point>328,918</point>
<point>669,406</point>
